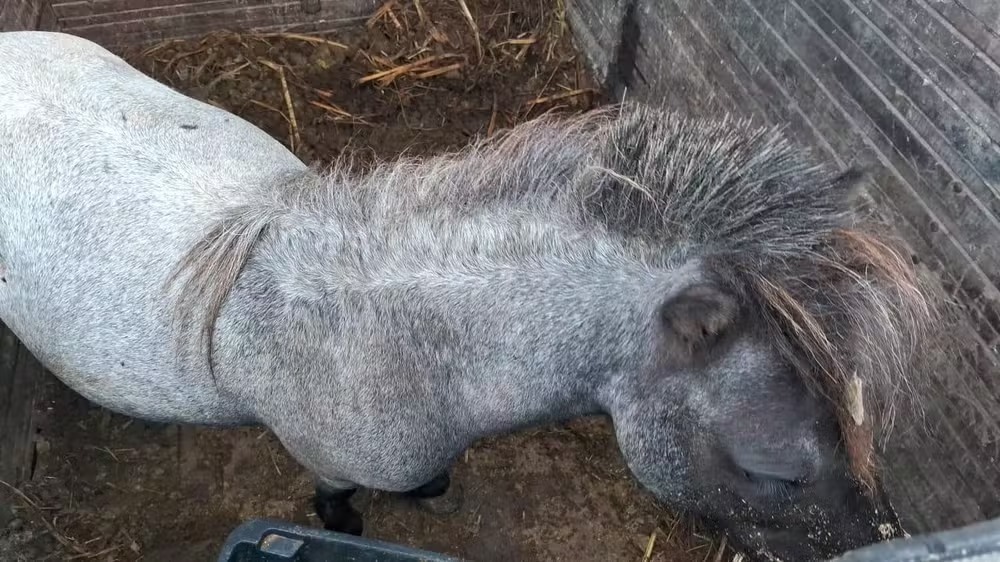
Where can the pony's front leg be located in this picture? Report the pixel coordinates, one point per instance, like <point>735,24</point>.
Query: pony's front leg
<point>333,507</point>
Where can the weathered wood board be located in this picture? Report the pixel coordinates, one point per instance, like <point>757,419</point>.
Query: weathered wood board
<point>116,23</point>
<point>20,375</point>
<point>16,15</point>
<point>909,89</point>
<point>119,23</point>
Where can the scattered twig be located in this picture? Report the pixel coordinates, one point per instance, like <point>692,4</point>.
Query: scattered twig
<point>670,533</point>
<point>292,122</point>
<point>105,450</point>
<point>204,64</point>
<point>331,108</point>
<point>420,12</point>
<point>226,75</point>
<point>323,93</point>
<point>412,56</point>
<point>60,538</point>
<point>722,550</point>
<point>181,56</point>
<point>475,28</point>
<point>557,97</point>
<point>379,61</point>
<point>306,38</point>
<point>396,71</point>
<point>381,13</point>
<point>440,71</point>
<point>521,41</point>
<point>274,459</point>
<point>385,77</point>
<point>439,36</point>
<point>648,553</point>
<point>159,46</point>
<point>698,548</point>
<point>560,24</point>
<point>493,118</point>
<point>279,112</point>
<point>395,20</point>
<point>339,113</point>
<point>85,555</point>
<point>529,106</point>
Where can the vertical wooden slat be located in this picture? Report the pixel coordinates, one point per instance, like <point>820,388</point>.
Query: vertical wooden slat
<point>120,23</point>
<point>17,15</point>
<point>20,374</point>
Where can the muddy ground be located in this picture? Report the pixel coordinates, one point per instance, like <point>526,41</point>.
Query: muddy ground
<point>416,80</point>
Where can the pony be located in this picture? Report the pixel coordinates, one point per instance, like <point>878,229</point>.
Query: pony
<point>710,286</point>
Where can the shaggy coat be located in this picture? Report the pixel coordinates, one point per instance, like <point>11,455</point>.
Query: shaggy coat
<point>704,283</point>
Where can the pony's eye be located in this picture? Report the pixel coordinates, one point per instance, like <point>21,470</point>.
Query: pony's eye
<point>772,487</point>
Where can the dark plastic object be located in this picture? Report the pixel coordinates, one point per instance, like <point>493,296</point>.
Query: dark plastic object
<point>979,542</point>
<point>263,540</point>
<point>276,541</point>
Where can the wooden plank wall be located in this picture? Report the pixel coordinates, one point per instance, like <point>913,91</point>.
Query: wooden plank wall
<point>118,23</point>
<point>20,373</point>
<point>20,377</point>
<point>16,15</point>
<point>909,88</point>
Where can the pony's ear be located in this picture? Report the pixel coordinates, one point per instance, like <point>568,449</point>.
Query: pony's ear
<point>697,314</point>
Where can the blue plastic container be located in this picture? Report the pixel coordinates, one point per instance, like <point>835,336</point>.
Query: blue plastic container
<point>263,540</point>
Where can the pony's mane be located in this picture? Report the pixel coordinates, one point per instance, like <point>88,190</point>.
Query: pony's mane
<point>836,293</point>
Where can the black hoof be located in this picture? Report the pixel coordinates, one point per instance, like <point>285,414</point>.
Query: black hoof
<point>438,496</point>
<point>334,509</point>
<point>448,504</point>
<point>435,488</point>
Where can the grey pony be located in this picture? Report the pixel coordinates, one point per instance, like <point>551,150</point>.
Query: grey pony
<point>170,261</point>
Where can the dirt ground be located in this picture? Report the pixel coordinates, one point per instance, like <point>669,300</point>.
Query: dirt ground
<point>420,78</point>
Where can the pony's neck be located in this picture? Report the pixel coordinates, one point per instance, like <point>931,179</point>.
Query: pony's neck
<point>542,345</point>
<point>501,324</point>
